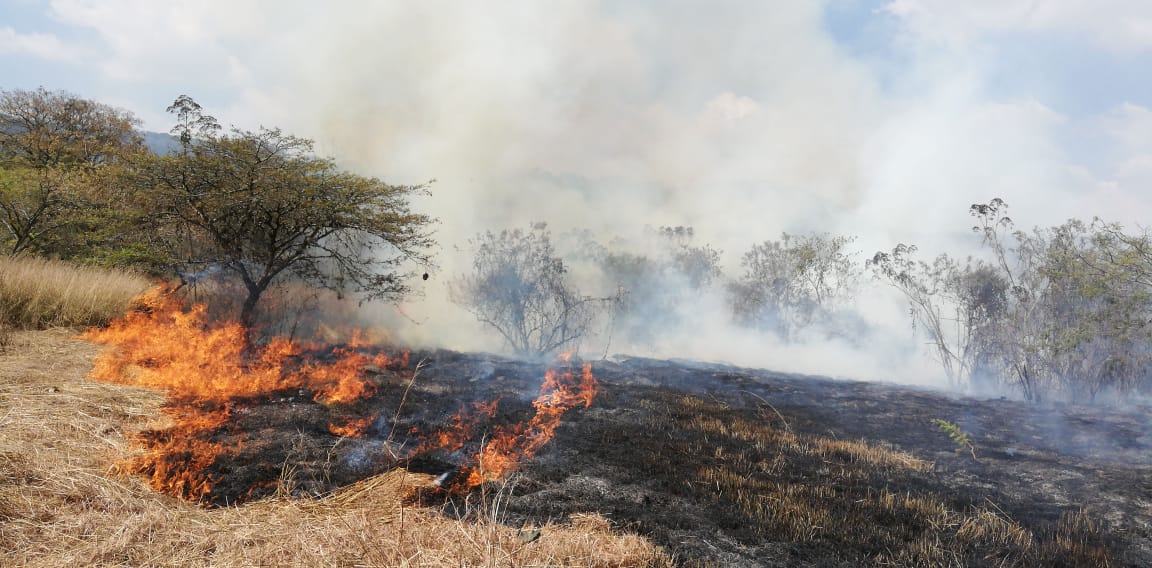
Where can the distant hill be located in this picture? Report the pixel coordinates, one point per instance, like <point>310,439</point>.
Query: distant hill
<point>160,143</point>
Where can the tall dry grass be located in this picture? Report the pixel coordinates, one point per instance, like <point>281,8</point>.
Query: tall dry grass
<point>60,505</point>
<point>38,293</point>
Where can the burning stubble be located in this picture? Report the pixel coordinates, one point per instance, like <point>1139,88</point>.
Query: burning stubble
<point>213,373</point>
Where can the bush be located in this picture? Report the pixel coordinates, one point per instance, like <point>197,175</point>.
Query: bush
<point>793,283</point>
<point>657,290</point>
<point>520,288</point>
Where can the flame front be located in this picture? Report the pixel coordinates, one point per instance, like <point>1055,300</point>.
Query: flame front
<point>503,452</point>
<point>210,369</point>
<point>204,367</point>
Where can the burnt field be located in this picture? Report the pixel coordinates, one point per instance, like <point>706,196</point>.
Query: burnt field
<point>735,467</point>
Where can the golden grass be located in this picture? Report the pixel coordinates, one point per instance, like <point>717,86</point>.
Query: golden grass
<point>60,505</point>
<point>37,293</point>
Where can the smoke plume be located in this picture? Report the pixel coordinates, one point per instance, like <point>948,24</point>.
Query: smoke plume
<point>740,119</point>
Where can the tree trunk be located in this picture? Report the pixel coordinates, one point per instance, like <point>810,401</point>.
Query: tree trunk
<point>248,309</point>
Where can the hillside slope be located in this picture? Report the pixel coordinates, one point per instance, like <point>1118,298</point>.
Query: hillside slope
<point>718,465</point>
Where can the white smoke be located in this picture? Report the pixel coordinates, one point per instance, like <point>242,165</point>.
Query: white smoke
<point>741,119</point>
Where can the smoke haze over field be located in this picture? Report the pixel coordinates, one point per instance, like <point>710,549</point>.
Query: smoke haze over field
<point>881,119</point>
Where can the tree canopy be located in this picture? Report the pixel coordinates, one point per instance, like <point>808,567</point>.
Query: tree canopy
<point>53,146</point>
<point>263,207</point>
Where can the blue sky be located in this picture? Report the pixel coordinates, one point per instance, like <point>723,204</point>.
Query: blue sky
<point>847,113</point>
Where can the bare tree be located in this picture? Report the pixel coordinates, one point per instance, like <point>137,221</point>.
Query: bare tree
<point>519,287</point>
<point>934,307</point>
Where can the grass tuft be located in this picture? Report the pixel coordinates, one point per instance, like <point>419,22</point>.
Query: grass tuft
<point>832,494</point>
<point>39,294</point>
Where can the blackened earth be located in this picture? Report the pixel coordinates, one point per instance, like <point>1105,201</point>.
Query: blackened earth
<point>633,458</point>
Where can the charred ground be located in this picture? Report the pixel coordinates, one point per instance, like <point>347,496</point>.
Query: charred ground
<point>741,467</point>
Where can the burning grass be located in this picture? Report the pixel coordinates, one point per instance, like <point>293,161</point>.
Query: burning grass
<point>205,368</point>
<point>38,294</point>
<point>509,445</point>
<point>214,376</point>
<point>59,506</point>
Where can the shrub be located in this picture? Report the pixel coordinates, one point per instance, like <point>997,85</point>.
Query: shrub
<point>519,287</point>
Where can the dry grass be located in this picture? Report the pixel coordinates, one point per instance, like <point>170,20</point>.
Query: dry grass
<point>60,505</point>
<point>836,494</point>
<point>38,294</point>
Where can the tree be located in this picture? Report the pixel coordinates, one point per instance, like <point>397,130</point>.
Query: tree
<point>519,287</point>
<point>262,207</point>
<point>700,265</point>
<point>1098,331</point>
<point>1065,308</point>
<point>53,145</point>
<point>792,283</point>
<point>951,303</point>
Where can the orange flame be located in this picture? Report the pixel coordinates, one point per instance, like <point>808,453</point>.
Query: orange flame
<point>203,366</point>
<point>510,445</point>
<point>206,367</point>
<point>465,425</point>
<point>353,428</point>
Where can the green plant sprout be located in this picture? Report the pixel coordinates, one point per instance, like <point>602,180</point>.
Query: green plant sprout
<point>961,438</point>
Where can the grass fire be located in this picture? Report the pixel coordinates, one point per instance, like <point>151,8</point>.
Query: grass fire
<point>213,371</point>
<point>697,463</point>
<point>576,284</point>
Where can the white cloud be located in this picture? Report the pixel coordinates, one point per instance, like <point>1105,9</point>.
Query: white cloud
<point>42,45</point>
<point>1121,25</point>
<point>1130,125</point>
<point>163,41</point>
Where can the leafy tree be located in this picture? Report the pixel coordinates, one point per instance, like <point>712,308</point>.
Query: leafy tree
<point>1099,332</point>
<point>700,265</point>
<point>792,283</point>
<point>1058,309</point>
<point>519,287</point>
<point>54,146</point>
<point>260,206</point>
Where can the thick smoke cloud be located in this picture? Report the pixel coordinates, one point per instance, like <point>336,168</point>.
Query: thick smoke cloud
<point>740,119</point>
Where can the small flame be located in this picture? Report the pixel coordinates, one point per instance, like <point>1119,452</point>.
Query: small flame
<point>465,425</point>
<point>353,428</point>
<point>510,445</point>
